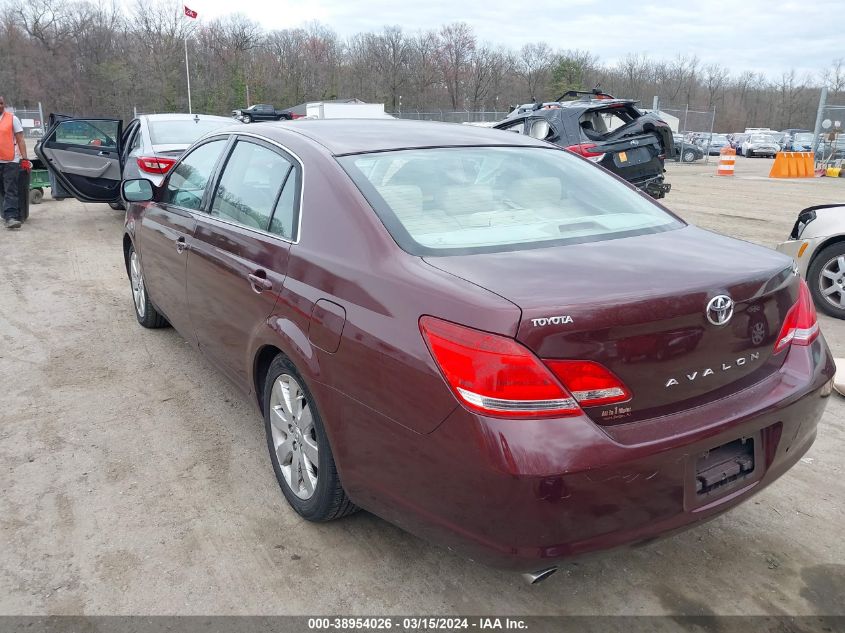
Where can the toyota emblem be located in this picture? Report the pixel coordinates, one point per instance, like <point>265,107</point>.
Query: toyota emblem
<point>720,309</point>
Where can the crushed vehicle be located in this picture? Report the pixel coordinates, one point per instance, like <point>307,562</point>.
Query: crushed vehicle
<point>611,132</point>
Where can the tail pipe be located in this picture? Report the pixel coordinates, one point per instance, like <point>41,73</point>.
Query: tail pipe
<point>533,578</point>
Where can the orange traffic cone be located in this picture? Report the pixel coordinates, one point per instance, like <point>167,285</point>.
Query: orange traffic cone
<point>727,160</point>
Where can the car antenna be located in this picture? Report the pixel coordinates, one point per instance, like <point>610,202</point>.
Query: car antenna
<point>196,118</point>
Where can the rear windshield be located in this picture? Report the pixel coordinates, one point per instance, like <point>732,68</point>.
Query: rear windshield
<point>487,199</point>
<point>182,132</point>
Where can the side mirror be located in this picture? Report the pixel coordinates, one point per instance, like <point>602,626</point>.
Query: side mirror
<point>539,130</point>
<point>138,190</point>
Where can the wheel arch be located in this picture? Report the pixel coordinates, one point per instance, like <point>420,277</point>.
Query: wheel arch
<point>834,239</point>
<point>127,244</point>
<point>288,339</point>
<point>260,366</point>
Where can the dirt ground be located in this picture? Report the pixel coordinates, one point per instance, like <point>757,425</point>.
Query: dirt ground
<point>135,480</point>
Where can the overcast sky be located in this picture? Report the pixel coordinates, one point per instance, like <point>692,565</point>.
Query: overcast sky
<point>762,35</point>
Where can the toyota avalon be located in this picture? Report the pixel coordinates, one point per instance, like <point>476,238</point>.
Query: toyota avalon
<point>487,340</point>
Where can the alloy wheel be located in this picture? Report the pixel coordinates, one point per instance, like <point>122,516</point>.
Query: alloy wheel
<point>832,282</point>
<point>139,294</point>
<point>294,436</point>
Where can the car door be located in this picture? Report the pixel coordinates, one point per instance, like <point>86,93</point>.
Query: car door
<point>84,157</point>
<point>239,252</point>
<point>164,235</point>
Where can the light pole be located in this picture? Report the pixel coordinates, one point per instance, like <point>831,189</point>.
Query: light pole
<point>188,74</point>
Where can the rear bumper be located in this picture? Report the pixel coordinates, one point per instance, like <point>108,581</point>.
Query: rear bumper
<point>525,495</point>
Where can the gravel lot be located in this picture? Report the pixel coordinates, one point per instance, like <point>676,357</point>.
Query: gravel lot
<point>135,480</point>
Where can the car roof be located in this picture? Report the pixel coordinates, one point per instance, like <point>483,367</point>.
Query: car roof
<point>183,116</point>
<point>355,136</point>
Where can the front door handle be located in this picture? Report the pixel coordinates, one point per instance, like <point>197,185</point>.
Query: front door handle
<point>259,282</point>
<point>181,245</point>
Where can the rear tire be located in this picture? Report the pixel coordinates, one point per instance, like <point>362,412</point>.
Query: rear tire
<point>146,313</point>
<point>826,279</point>
<point>36,196</point>
<point>299,448</point>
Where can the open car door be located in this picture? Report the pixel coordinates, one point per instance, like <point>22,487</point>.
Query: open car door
<point>84,157</point>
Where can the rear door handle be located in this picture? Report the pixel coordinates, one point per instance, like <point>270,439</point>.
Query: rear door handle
<point>181,245</point>
<point>259,282</point>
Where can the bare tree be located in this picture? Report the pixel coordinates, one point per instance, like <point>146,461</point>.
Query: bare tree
<point>534,65</point>
<point>457,43</point>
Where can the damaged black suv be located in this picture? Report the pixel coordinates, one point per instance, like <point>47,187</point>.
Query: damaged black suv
<point>612,132</point>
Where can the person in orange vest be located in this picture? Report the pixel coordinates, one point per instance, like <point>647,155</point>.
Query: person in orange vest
<point>12,153</point>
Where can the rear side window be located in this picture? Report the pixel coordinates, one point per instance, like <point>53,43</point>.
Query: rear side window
<point>250,185</point>
<point>188,181</point>
<point>182,132</point>
<point>596,124</point>
<point>286,214</point>
<point>487,199</point>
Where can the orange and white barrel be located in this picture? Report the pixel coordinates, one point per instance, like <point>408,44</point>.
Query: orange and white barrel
<point>727,161</point>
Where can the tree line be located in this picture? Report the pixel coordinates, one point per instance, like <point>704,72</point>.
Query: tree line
<point>94,58</point>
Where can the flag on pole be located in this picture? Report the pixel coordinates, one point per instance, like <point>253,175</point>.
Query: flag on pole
<point>190,13</point>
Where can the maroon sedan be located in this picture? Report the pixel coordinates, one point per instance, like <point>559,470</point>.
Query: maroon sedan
<point>484,339</point>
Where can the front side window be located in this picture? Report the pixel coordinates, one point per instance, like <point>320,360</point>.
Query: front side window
<point>250,185</point>
<point>487,199</point>
<point>88,133</point>
<point>188,181</point>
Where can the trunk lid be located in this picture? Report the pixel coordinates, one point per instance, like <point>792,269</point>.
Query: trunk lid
<point>638,306</point>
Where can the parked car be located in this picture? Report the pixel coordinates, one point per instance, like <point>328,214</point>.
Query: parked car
<point>587,369</point>
<point>610,132</point>
<point>830,150</point>
<point>263,112</point>
<point>736,142</point>
<point>686,151</point>
<point>147,148</point>
<point>760,145</point>
<point>789,136</point>
<point>800,142</point>
<point>817,245</point>
<point>713,144</point>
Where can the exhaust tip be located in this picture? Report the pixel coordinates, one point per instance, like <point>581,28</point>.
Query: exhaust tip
<point>532,578</point>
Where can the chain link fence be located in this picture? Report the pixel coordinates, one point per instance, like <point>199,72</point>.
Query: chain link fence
<point>829,139</point>
<point>452,116</point>
<point>694,133</point>
<point>32,119</point>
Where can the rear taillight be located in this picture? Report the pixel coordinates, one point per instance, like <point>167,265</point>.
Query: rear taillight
<point>494,374</point>
<point>587,150</point>
<point>800,327</point>
<point>497,376</point>
<point>155,165</point>
<point>589,383</point>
